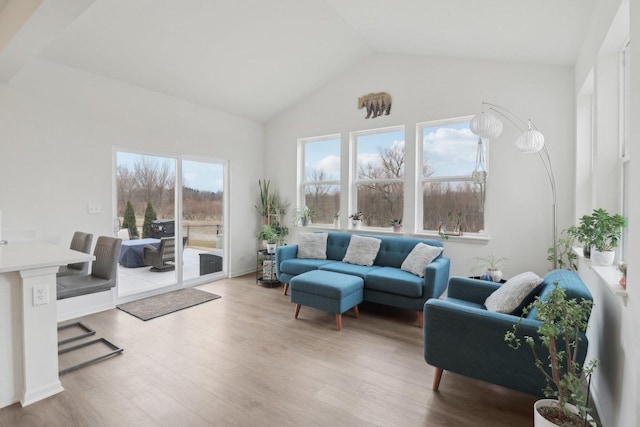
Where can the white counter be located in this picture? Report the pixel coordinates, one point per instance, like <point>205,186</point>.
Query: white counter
<point>28,328</point>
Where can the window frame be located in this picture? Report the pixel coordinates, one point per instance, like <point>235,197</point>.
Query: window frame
<point>421,180</point>
<point>623,150</point>
<point>302,178</point>
<point>353,169</point>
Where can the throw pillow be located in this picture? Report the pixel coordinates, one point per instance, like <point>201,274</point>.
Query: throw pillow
<point>362,250</point>
<point>420,256</point>
<point>510,295</point>
<point>312,245</point>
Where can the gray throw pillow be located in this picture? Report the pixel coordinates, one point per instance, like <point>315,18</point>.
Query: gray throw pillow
<point>420,256</point>
<point>362,250</point>
<point>510,295</point>
<point>312,245</point>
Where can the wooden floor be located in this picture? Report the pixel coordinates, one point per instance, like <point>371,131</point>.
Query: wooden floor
<point>244,360</point>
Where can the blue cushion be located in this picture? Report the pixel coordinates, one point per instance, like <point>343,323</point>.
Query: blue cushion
<point>394,250</point>
<point>337,244</point>
<point>327,284</point>
<point>346,268</point>
<point>393,280</point>
<point>566,279</point>
<point>301,265</point>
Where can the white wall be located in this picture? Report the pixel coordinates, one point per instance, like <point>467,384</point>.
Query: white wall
<point>58,127</point>
<point>518,197</point>
<point>614,326</point>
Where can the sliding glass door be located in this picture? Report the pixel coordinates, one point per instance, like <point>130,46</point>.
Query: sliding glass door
<point>170,215</point>
<point>202,218</point>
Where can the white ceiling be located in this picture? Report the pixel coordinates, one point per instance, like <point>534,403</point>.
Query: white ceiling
<point>254,58</point>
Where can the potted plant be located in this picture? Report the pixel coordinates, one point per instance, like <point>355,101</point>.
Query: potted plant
<point>356,219</point>
<point>305,215</point>
<point>562,321</point>
<point>453,226</point>
<point>607,230</point>
<point>622,268</point>
<point>269,237</point>
<point>396,224</point>
<point>266,200</point>
<point>490,266</point>
<point>583,232</point>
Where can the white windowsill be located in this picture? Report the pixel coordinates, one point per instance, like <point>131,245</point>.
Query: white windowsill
<point>475,238</point>
<point>609,275</point>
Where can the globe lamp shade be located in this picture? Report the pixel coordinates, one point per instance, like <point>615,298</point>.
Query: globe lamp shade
<point>531,141</point>
<point>486,125</point>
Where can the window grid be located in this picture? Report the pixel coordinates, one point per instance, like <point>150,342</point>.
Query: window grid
<point>445,194</point>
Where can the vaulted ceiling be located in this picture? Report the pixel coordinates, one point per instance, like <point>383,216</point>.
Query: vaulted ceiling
<point>255,58</point>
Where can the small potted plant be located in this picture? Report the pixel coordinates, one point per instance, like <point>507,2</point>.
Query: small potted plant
<point>490,267</point>
<point>562,321</point>
<point>622,268</point>
<point>453,226</point>
<point>305,216</point>
<point>396,224</point>
<point>607,230</point>
<point>269,237</point>
<point>583,232</point>
<point>356,219</point>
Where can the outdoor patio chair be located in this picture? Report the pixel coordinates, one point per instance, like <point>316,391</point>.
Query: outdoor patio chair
<point>163,257</point>
<point>81,242</point>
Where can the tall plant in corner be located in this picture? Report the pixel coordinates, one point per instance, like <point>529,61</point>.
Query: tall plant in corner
<point>562,325</point>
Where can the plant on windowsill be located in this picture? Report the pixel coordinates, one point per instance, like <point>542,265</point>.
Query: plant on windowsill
<point>607,231</point>
<point>305,216</point>
<point>396,224</point>
<point>453,226</point>
<point>561,322</point>
<point>356,219</point>
<point>583,232</point>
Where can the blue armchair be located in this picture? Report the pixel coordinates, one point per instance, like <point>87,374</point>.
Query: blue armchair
<point>461,336</point>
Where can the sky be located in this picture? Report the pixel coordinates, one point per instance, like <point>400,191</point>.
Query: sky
<point>449,149</point>
<point>201,176</point>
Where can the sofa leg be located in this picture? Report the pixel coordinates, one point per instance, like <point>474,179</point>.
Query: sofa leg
<point>356,312</point>
<point>286,288</point>
<point>420,321</point>
<point>339,321</point>
<point>437,376</point>
<point>297,310</point>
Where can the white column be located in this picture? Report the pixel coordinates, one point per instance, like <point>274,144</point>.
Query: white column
<point>39,336</point>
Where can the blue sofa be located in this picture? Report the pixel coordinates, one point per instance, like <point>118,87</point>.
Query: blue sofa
<point>461,336</point>
<point>384,281</point>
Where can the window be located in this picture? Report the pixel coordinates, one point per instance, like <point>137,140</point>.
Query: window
<point>625,101</point>
<point>378,175</point>
<point>447,153</point>
<point>321,177</point>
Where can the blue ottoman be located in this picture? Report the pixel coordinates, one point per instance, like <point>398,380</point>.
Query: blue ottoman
<point>328,291</point>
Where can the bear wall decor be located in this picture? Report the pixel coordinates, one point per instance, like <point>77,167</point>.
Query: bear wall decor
<point>376,104</point>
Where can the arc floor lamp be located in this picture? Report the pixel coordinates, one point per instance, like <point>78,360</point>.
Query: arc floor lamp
<point>486,125</point>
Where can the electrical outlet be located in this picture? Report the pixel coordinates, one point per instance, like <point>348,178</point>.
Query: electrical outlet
<point>94,208</point>
<point>40,295</point>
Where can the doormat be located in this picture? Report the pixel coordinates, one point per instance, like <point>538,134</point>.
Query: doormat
<point>159,305</point>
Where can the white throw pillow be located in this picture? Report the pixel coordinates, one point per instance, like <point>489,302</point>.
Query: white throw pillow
<point>362,250</point>
<point>312,245</point>
<point>419,257</point>
<point>510,295</point>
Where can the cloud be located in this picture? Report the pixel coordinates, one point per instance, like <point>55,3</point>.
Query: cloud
<point>450,151</point>
<point>330,165</point>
